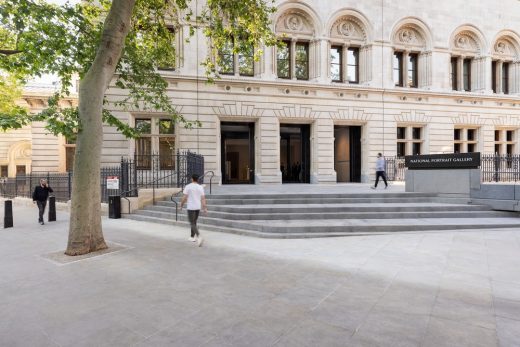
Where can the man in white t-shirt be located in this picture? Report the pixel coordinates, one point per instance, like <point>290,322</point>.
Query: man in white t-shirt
<point>196,200</point>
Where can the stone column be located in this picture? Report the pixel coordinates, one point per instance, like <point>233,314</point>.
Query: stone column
<point>499,66</point>
<point>344,63</point>
<point>405,68</point>
<point>365,64</point>
<point>293,58</point>
<point>322,151</point>
<point>460,73</point>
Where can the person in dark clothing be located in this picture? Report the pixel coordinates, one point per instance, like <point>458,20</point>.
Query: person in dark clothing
<point>40,196</point>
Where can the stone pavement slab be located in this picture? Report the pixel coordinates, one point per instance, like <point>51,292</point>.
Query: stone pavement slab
<point>406,289</point>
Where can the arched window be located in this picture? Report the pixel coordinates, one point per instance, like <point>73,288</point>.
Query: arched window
<point>467,66</point>
<point>505,64</point>
<point>350,55</point>
<point>294,60</point>
<point>411,61</point>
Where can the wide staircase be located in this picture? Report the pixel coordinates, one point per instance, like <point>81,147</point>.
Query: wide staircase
<point>276,215</point>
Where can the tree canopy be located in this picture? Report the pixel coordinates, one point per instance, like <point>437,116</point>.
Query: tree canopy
<point>63,41</point>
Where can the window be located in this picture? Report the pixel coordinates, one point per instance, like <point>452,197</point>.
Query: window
<point>143,145</point>
<point>398,69</point>
<point>3,171</point>
<point>156,145</point>
<point>246,62</point>
<point>401,149</point>
<point>505,141</point>
<point>454,74</point>
<point>20,170</point>
<point>353,64</point>
<point>494,76</point>
<point>456,134</point>
<point>283,60</point>
<point>168,62</point>
<point>336,71</point>
<point>505,78</point>
<point>466,78</point>
<point>412,70</point>
<point>227,59</point>
<point>465,140</point>
<point>401,133</point>
<point>70,154</point>
<point>409,140</point>
<point>302,61</point>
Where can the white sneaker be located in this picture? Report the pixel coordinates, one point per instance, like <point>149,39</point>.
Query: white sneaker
<point>200,240</point>
<point>192,239</point>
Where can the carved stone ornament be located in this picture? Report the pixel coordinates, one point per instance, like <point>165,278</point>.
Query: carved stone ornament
<point>501,47</point>
<point>346,29</point>
<point>410,36</point>
<point>406,36</point>
<point>294,22</point>
<point>467,41</point>
<point>462,42</point>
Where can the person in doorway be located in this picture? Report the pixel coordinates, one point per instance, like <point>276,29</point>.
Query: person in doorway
<point>40,196</point>
<point>196,200</point>
<point>380,170</point>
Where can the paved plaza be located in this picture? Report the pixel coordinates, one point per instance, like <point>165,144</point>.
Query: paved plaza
<point>407,289</point>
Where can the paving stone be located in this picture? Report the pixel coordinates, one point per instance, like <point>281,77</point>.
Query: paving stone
<point>239,291</point>
<point>508,331</point>
<point>448,333</point>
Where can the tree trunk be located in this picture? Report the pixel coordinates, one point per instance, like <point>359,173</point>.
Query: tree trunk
<point>85,231</point>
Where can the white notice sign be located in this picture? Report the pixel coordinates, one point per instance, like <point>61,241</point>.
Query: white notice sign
<point>112,182</point>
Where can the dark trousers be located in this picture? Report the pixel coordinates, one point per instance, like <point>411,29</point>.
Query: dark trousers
<point>193,215</point>
<point>41,209</point>
<point>382,175</point>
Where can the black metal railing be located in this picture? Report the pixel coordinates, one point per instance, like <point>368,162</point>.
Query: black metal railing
<point>500,168</point>
<point>23,185</point>
<point>395,169</point>
<point>494,168</point>
<point>131,175</point>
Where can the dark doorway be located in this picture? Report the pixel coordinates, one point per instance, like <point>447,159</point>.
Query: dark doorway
<point>295,153</point>
<point>347,153</point>
<point>238,153</point>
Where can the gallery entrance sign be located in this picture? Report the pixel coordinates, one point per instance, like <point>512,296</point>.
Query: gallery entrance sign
<point>443,161</point>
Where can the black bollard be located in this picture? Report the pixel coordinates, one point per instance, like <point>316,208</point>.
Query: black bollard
<point>8,215</point>
<point>52,209</point>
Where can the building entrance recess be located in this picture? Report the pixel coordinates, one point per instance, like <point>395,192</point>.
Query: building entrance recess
<point>295,153</point>
<point>238,153</point>
<point>347,153</point>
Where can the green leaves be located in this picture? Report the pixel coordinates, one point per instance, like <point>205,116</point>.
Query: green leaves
<point>63,40</point>
<point>12,116</point>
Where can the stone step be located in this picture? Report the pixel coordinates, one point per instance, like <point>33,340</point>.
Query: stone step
<point>321,200</point>
<point>312,229</point>
<point>251,233</point>
<point>368,193</point>
<point>219,218</point>
<point>331,208</point>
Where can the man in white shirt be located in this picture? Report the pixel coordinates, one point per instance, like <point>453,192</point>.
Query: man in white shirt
<point>196,200</point>
<point>380,170</point>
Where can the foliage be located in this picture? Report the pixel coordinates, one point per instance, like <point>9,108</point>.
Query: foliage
<point>12,116</point>
<point>63,40</point>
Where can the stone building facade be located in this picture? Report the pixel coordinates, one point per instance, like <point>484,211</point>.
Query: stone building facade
<point>354,78</point>
<point>32,148</point>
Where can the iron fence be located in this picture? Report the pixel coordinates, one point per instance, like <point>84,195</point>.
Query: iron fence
<point>23,185</point>
<point>500,168</point>
<point>494,168</point>
<point>395,169</point>
<point>141,171</point>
